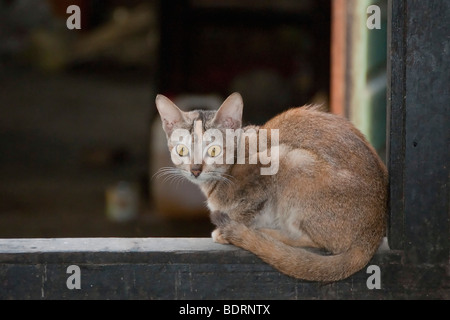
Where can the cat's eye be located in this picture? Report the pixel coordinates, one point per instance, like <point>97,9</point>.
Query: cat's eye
<point>182,150</point>
<point>214,151</point>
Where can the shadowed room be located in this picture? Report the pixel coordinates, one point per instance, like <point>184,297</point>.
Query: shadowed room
<point>80,134</point>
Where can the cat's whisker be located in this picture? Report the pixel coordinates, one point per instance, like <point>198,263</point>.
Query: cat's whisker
<point>166,177</point>
<point>171,178</point>
<point>164,171</point>
<point>229,176</point>
<point>223,177</point>
<point>170,175</point>
<point>228,182</point>
<point>178,181</point>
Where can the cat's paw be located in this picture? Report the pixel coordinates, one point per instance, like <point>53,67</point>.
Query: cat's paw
<point>233,232</point>
<point>218,237</point>
<point>219,219</point>
<point>228,231</point>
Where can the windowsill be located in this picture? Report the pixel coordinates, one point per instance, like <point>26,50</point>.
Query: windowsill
<point>175,268</point>
<point>135,250</point>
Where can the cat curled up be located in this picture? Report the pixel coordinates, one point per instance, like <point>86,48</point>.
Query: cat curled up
<point>324,186</point>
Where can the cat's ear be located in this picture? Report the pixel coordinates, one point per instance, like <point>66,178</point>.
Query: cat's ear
<point>170,114</point>
<point>229,114</point>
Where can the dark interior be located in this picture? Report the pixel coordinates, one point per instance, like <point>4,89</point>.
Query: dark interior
<point>77,106</point>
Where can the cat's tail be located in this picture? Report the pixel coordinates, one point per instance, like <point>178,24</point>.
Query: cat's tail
<point>301,263</point>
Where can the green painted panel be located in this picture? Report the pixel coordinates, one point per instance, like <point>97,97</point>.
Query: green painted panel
<point>368,73</point>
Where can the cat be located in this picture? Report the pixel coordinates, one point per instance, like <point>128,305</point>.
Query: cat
<point>329,191</point>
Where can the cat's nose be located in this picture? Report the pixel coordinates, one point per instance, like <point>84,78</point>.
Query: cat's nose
<point>196,173</point>
<point>196,170</point>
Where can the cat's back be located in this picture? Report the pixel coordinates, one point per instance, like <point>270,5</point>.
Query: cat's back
<point>331,138</point>
<point>302,126</point>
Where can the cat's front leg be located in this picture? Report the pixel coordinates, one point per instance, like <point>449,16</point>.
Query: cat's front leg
<point>218,218</point>
<point>228,230</point>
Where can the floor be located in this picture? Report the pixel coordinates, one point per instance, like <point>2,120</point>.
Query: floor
<point>64,139</point>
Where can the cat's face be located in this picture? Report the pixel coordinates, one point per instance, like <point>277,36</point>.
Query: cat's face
<point>197,139</point>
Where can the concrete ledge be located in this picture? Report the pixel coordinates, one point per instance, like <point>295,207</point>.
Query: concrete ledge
<point>120,250</point>
<point>181,268</point>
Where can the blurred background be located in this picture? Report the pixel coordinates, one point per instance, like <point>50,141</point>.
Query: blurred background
<point>80,140</point>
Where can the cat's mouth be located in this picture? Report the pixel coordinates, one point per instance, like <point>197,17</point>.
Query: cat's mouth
<point>175,175</point>
<point>197,177</point>
<point>208,176</point>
